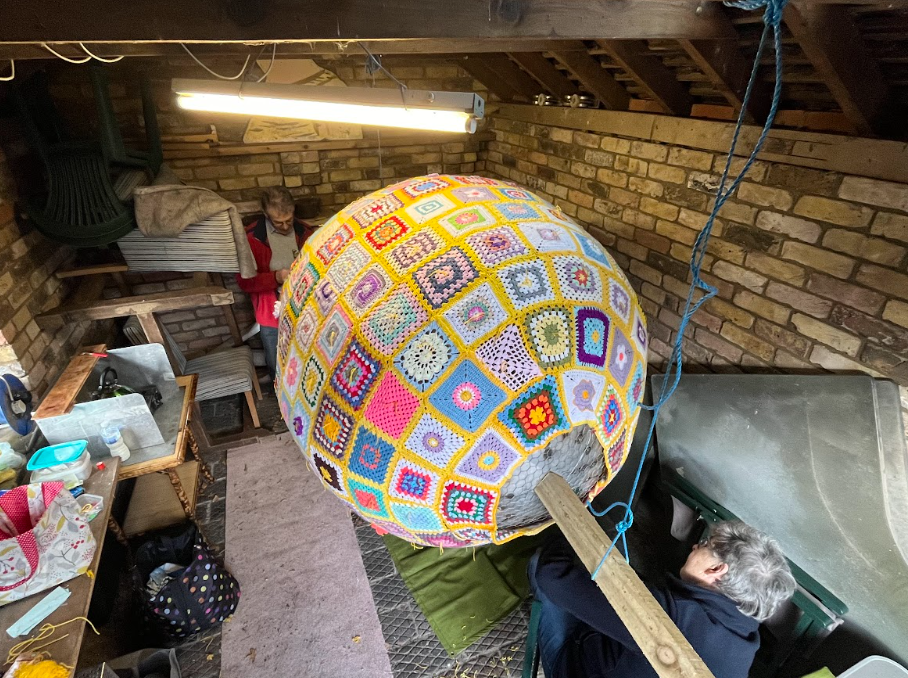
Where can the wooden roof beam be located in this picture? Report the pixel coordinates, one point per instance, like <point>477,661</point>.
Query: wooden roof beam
<point>516,77</point>
<point>545,73</point>
<point>650,73</point>
<point>832,42</point>
<point>497,84</point>
<point>728,71</point>
<point>595,80</point>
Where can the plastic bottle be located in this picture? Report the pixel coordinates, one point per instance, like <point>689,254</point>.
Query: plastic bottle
<point>110,434</point>
<point>9,458</point>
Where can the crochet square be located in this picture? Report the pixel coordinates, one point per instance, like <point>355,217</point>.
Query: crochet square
<point>617,452</point>
<point>427,355</point>
<point>537,415</point>
<point>368,499</point>
<point>414,483</point>
<point>284,404</point>
<point>429,208</point>
<point>329,472</point>
<point>611,413</point>
<point>639,333</point>
<point>285,334</point>
<point>622,358</point>
<point>334,334</point>
<point>416,518</point>
<point>370,456</point>
<point>355,374</point>
<point>554,213</point>
<point>300,422</point>
<point>386,232</point>
<point>467,397</point>
<point>467,219</point>
<point>306,326</point>
<point>414,250</point>
<point>445,276</point>
<point>578,280</point>
<point>392,406</point>
<point>332,428</point>
<point>414,189</point>
<point>468,194</point>
<point>325,295</point>
<point>581,390</point>
<point>302,288</point>
<point>390,323</point>
<point>517,211</point>
<point>433,441</point>
<point>548,237</point>
<point>463,504</point>
<point>477,314</point>
<point>368,289</point>
<point>526,283</point>
<point>348,266</point>
<point>505,355</point>
<point>496,245</point>
<point>369,213</point>
<point>592,336</point>
<point>312,382</point>
<point>549,330</point>
<point>635,392</point>
<point>489,461</point>
<point>517,194</point>
<point>619,300</point>
<point>292,369</point>
<point>593,249</point>
<point>476,181</point>
<point>335,244</point>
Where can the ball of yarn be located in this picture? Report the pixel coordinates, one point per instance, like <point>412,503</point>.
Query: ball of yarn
<point>45,668</point>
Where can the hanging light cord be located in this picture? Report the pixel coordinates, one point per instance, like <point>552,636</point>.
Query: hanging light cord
<point>271,65</point>
<point>375,63</point>
<point>12,72</point>
<point>112,60</point>
<point>65,58</point>
<point>218,75</point>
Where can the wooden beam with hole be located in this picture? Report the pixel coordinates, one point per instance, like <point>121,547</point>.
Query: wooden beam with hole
<point>660,641</point>
<point>831,41</point>
<point>595,79</point>
<point>352,20</point>
<point>728,72</point>
<point>647,69</point>
<point>545,73</point>
<point>488,76</point>
<point>172,300</point>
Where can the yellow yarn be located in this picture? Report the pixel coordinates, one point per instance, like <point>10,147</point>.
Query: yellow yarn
<point>45,632</point>
<point>43,669</point>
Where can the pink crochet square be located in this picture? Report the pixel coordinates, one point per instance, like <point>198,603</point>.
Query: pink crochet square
<point>392,406</point>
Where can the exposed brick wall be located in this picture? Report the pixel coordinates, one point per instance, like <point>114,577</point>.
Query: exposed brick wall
<point>810,265</point>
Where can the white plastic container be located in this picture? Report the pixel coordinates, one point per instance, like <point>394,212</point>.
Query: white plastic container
<point>110,434</point>
<point>78,470</point>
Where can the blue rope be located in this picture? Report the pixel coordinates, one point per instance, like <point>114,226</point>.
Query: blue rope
<point>772,19</point>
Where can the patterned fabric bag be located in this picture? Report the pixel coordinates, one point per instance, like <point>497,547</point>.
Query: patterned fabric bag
<point>197,597</point>
<point>44,540</point>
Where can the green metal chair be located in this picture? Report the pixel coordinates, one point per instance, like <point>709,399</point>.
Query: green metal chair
<point>82,207</point>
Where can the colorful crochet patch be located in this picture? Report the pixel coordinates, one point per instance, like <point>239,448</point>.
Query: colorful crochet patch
<point>426,356</point>
<point>467,397</point>
<point>445,276</point>
<point>463,504</point>
<point>537,414</point>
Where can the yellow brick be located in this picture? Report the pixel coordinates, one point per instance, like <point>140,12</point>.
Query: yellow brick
<point>632,165</point>
<point>765,196</point>
<point>673,175</point>
<point>271,180</point>
<point>293,182</point>
<point>833,211</point>
<point>256,168</point>
<point>676,232</point>
<point>872,249</point>
<point>611,177</point>
<point>748,342</point>
<point>730,312</point>
<point>735,211</point>
<point>820,259</point>
<point>694,159</point>
<point>762,306</point>
<point>651,188</point>
<point>623,197</point>
<point>736,274</point>
<point>800,229</point>
<point>647,151</point>
<point>841,341</point>
<point>236,184</point>
<point>836,362</point>
<point>893,226</point>
<point>883,279</point>
<point>658,209</point>
<point>774,268</point>
<point>873,192</point>
<point>615,145</point>
<point>896,312</point>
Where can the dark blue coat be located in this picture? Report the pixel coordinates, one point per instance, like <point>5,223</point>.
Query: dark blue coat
<point>724,637</point>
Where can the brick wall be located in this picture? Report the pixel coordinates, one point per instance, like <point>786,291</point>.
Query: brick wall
<point>810,265</point>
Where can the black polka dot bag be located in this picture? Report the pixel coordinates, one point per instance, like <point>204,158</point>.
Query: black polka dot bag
<point>196,597</point>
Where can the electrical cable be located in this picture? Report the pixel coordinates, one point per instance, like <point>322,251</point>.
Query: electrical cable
<point>375,60</point>
<point>12,72</point>
<point>101,59</point>
<point>65,58</point>
<point>271,65</point>
<point>218,75</point>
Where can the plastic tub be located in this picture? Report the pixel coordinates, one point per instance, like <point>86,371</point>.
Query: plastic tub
<point>66,461</point>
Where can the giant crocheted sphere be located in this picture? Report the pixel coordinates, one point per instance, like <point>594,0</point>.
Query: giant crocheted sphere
<point>445,342</point>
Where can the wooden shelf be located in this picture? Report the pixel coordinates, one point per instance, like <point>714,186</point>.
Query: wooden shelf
<point>62,396</point>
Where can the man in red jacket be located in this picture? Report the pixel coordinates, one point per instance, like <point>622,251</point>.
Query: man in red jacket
<point>275,239</point>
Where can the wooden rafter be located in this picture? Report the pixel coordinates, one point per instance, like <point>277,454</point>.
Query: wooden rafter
<point>595,80</point>
<point>728,71</point>
<point>352,20</point>
<point>648,70</point>
<point>525,85</point>
<point>545,72</point>
<point>496,84</point>
<point>832,43</point>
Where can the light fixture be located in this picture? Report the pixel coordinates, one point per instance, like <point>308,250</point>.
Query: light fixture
<point>407,108</point>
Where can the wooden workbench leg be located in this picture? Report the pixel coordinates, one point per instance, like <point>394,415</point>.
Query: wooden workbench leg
<point>256,385</point>
<point>203,467</point>
<point>229,316</point>
<point>118,532</point>
<point>250,400</point>
<point>181,493</point>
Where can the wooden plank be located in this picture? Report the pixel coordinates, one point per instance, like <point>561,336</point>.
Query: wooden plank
<point>816,121</point>
<point>488,76</point>
<point>354,20</point>
<point>595,80</point>
<point>515,76</point>
<point>728,72</point>
<point>831,41</point>
<point>63,394</point>
<point>69,638</point>
<point>97,269</point>
<point>664,646</point>
<point>545,73</point>
<point>647,69</point>
<point>173,300</point>
<point>154,504</point>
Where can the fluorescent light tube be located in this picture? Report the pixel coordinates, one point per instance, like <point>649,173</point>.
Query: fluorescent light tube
<point>410,109</point>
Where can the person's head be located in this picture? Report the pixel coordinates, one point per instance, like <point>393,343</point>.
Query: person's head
<point>277,204</point>
<point>743,564</point>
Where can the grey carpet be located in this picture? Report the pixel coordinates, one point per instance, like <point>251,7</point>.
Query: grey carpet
<point>306,607</point>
